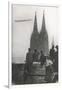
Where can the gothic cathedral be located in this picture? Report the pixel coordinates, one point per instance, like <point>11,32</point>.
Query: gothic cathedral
<point>38,40</point>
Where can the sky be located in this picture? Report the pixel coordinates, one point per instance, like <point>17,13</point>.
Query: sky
<point>22,30</point>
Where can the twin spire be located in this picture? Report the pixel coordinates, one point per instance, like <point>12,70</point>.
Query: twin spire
<point>35,23</point>
<point>38,40</point>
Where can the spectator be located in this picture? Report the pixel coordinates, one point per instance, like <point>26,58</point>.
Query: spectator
<point>42,58</point>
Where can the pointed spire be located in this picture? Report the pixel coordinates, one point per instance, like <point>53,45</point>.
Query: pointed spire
<point>34,41</point>
<point>35,29</point>
<point>43,28</point>
<point>43,22</point>
<point>44,38</point>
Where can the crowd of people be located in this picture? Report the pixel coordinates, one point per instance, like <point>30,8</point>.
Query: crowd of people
<point>50,61</point>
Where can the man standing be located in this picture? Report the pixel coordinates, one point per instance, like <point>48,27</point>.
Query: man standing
<point>35,55</point>
<point>29,60</point>
<point>55,74</point>
<point>42,58</point>
<point>28,64</point>
<point>52,53</point>
<point>56,59</point>
<point>49,70</point>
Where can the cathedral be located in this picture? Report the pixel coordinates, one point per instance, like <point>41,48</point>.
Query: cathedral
<point>38,40</point>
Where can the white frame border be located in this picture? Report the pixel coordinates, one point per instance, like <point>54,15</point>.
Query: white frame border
<point>10,38</point>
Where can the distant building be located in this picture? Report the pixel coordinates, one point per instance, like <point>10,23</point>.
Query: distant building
<point>43,38</point>
<point>38,40</point>
<point>34,42</point>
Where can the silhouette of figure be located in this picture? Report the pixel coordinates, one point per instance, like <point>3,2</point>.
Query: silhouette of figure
<point>55,66</point>
<point>35,55</point>
<point>52,53</point>
<point>49,69</point>
<point>28,64</point>
<point>29,60</point>
<point>42,58</point>
<point>56,59</point>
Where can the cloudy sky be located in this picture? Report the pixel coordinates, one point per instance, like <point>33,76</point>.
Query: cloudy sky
<point>22,30</point>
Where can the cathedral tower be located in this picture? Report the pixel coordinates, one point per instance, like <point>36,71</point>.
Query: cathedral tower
<point>34,42</point>
<point>38,40</point>
<point>43,38</point>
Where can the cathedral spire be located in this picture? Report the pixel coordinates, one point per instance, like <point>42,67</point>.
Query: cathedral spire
<point>43,22</point>
<point>34,42</point>
<point>43,28</point>
<point>35,29</point>
<point>43,36</point>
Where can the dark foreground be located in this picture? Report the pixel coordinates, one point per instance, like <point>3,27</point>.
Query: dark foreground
<point>36,76</point>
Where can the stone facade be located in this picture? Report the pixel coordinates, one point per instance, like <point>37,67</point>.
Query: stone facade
<point>38,40</point>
